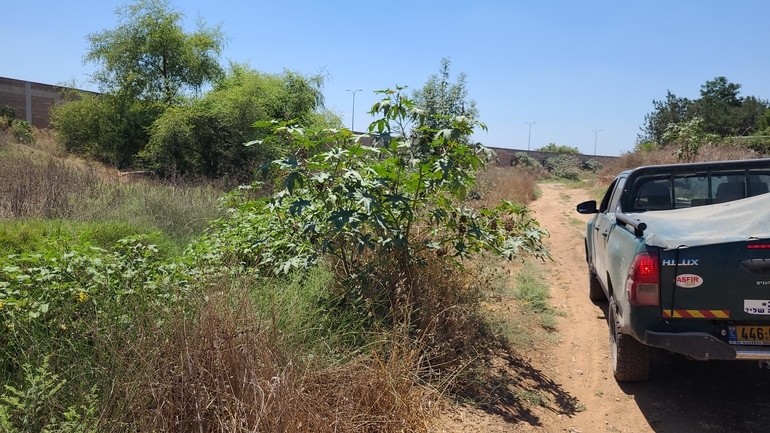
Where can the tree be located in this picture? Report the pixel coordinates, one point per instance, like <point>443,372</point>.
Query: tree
<point>721,111</point>
<point>108,128</point>
<point>671,110</point>
<point>718,107</point>
<point>440,100</point>
<point>206,137</point>
<point>763,123</point>
<point>379,214</point>
<point>148,64</point>
<point>149,56</point>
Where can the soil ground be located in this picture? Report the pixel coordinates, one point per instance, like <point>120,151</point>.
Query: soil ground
<point>572,377</point>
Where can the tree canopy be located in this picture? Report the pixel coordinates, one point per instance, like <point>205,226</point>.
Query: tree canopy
<point>441,100</point>
<point>168,105</point>
<point>206,137</point>
<point>150,56</point>
<point>720,108</point>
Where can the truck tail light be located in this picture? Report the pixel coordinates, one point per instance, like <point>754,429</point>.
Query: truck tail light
<point>758,246</point>
<point>643,284</point>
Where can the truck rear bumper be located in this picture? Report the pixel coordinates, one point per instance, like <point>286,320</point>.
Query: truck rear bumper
<point>703,346</point>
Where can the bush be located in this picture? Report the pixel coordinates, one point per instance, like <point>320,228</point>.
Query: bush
<point>553,148</point>
<point>8,115</point>
<point>564,167</point>
<point>592,165</point>
<point>521,159</point>
<point>108,128</point>
<point>384,217</point>
<point>21,130</point>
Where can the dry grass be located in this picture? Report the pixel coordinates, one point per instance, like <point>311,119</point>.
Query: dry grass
<point>505,183</point>
<point>226,368</point>
<point>40,187</point>
<point>38,181</point>
<point>722,152</point>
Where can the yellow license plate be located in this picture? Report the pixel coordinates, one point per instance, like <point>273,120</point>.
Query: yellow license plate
<point>750,335</point>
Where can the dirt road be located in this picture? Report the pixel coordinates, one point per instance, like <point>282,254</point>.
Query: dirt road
<point>575,374</point>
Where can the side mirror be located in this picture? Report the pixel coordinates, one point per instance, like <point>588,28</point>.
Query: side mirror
<point>587,207</point>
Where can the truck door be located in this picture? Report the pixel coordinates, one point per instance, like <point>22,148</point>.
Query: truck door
<point>605,223</point>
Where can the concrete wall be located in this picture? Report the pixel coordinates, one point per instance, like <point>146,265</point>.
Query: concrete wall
<point>31,101</point>
<point>505,156</point>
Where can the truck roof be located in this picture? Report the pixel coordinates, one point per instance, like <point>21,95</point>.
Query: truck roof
<point>701,166</point>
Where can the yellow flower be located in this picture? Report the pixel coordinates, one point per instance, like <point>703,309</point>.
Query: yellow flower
<point>82,297</point>
<point>1,305</point>
<point>63,326</point>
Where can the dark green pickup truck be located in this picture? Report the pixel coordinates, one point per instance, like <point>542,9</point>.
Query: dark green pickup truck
<point>682,253</point>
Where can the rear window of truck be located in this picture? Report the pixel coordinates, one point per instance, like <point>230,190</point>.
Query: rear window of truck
<point>681,190</point>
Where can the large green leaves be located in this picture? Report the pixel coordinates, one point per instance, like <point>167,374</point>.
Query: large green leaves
<point>399,198</point>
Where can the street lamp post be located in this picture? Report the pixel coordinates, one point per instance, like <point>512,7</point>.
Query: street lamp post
<point>353,116</point>
<point>596,135</point>
<point>529,136</point>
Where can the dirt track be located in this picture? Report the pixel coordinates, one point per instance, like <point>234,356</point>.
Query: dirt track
<point>681,397</point>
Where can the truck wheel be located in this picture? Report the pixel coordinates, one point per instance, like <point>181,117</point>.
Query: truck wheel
<point>595,291</point>
<point>630,358</point>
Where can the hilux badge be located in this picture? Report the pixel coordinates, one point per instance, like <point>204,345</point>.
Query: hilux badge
<point>688,281</point>
<point>686,262</point>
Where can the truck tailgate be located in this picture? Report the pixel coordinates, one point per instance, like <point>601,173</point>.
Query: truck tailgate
<point>728,282</point>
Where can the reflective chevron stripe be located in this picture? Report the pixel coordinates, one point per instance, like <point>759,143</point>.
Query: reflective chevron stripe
<point>696,314</point>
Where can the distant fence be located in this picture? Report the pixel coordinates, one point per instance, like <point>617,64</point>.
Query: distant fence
<point>505,157</point>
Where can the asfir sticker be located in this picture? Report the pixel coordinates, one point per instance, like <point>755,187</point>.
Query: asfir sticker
<point>688,281</point>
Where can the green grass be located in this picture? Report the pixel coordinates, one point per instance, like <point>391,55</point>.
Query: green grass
<point>569,183</point>
<point>25,236</point>
<point>538,192</point>
<point>536,321</point>
<point>531,289</point>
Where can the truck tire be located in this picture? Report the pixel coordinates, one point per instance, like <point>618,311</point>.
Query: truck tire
<point>595,291</point>
<point>630,358</point>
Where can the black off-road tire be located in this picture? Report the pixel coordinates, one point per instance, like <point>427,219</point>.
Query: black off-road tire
<point>630,358</point>
<point>595,291</point>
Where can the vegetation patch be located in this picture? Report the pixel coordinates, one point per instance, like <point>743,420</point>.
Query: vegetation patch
<point>348,278</point>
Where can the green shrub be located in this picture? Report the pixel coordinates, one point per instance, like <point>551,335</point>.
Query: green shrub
<point>553,148</point>
<point>22,131</point>
<point>564,167</point>
<point>8,115</point>
<point>521,159</point>
<point>206,137</point>
<point>592,165</point>
<point>645,146</point>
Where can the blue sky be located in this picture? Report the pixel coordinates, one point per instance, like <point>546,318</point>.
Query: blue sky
<point>571,67</point>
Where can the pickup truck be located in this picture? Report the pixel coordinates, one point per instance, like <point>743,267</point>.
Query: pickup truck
<point>682,254</point>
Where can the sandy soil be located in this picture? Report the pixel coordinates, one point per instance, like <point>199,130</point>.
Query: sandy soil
<point>575,377</point>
